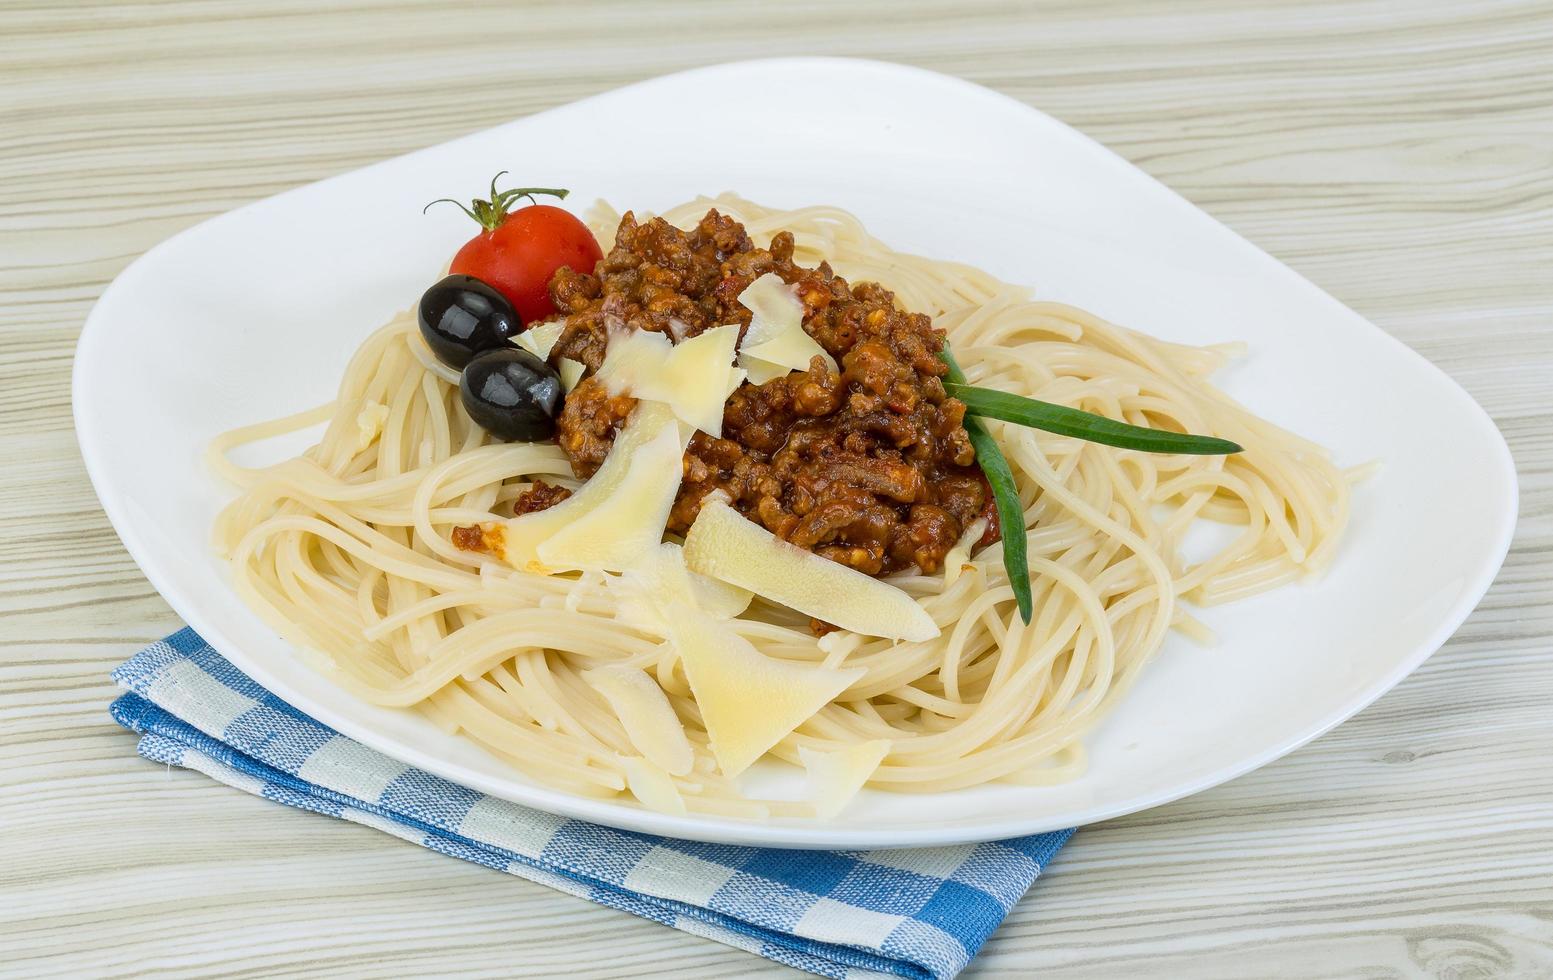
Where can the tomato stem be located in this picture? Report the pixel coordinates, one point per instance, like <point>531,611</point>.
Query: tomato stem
<point>492,212</point>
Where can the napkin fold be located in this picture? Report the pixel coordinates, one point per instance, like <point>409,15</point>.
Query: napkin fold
<point>898,913</point>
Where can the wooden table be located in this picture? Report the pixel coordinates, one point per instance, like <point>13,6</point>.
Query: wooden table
<point>1400,154</point>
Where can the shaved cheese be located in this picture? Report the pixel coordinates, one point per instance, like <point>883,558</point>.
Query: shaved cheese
<point>775,307</point>
<point>369,424</point>
<point>644,711</point>
<point>522,536</point>
<point>632,356</point>
<point>716,598</point>
<point>748,701</point>
<point>571,372</point>
<point>650,589</point>
<point>697,378</point>
<point>788,352</point>
<point>622,527</point>
<point>759,371</point>
<point>694,377</point>
<point>652,786</point>
<point>725,545</point>
<point>835,777</point>
<point>955,560</point>
<point>776,342</point>
<point>540,338</point>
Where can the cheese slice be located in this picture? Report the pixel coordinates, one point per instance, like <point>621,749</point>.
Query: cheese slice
<point>725,545</point>
<point>759,372</point>
<point>694,377</point>
<point>748,701</point>
<point>955,560</point>
<point>834,777</point>
<point>652,786</point>
<point>617,530</point>
<point>540,338</point>
<point>645,713</point>
<point>659,581</point>
<point>775,307</point>
<point>631,356</point>
<point>571,372</point>
<point>369,424</point>
<point>619,473</point>
<point>697,377</point>
<point>776,342</point>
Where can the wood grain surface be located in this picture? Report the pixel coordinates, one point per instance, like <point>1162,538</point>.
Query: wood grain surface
<point>1399,154</point>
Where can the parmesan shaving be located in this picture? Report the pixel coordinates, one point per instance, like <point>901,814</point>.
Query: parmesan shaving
<point>776,342</point>
<point>694,377</point>
<point>725,545</point>
<point>629,522</point>
<point>369,424</point>
<point>759,371</point>
<point>748,701</point>
<point>650,589</point>
<point>652,786</point>
<point>835,777</point>
<point>521,537</point>
<point>955,560</point>
<point>645,713</point>
<point>540,338</point>
<point>571,372</point>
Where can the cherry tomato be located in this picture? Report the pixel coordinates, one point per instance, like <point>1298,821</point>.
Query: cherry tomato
<point>518,251</point>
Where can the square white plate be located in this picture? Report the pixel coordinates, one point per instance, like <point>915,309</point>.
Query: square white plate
<point>253,315</point>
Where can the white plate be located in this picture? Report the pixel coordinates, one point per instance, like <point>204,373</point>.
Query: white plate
<point>253,314</point>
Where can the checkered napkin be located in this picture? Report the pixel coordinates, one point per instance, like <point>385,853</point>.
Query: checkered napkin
<point>906,913</point>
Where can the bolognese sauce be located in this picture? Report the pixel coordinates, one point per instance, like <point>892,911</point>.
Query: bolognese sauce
<point>871,467</point>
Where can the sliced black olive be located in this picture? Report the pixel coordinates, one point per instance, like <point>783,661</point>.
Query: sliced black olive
<point>512,394</point>
<point>462,316</point>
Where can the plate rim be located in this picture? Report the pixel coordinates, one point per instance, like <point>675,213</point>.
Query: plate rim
<point>785,833</point>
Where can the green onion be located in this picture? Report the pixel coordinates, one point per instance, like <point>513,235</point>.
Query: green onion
<point>988,403</point>
<point>1082,425</point>
<point>1011,511</point>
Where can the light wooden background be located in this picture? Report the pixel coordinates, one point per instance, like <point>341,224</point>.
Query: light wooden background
<point>1400,154</point>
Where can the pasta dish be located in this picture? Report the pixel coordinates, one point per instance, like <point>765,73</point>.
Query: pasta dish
<point>748,484</point>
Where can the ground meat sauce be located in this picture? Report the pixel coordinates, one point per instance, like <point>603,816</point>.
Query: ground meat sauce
<point>871,468</point>
<point>538,497</point>
<point>488,538</point>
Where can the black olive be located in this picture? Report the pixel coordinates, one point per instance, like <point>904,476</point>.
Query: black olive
<point>512,394</point>
<point>462,316</point>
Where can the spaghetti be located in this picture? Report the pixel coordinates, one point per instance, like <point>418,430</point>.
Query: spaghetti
<point>346,551</point>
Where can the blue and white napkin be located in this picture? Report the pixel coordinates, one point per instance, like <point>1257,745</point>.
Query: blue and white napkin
<point>846,914</point>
